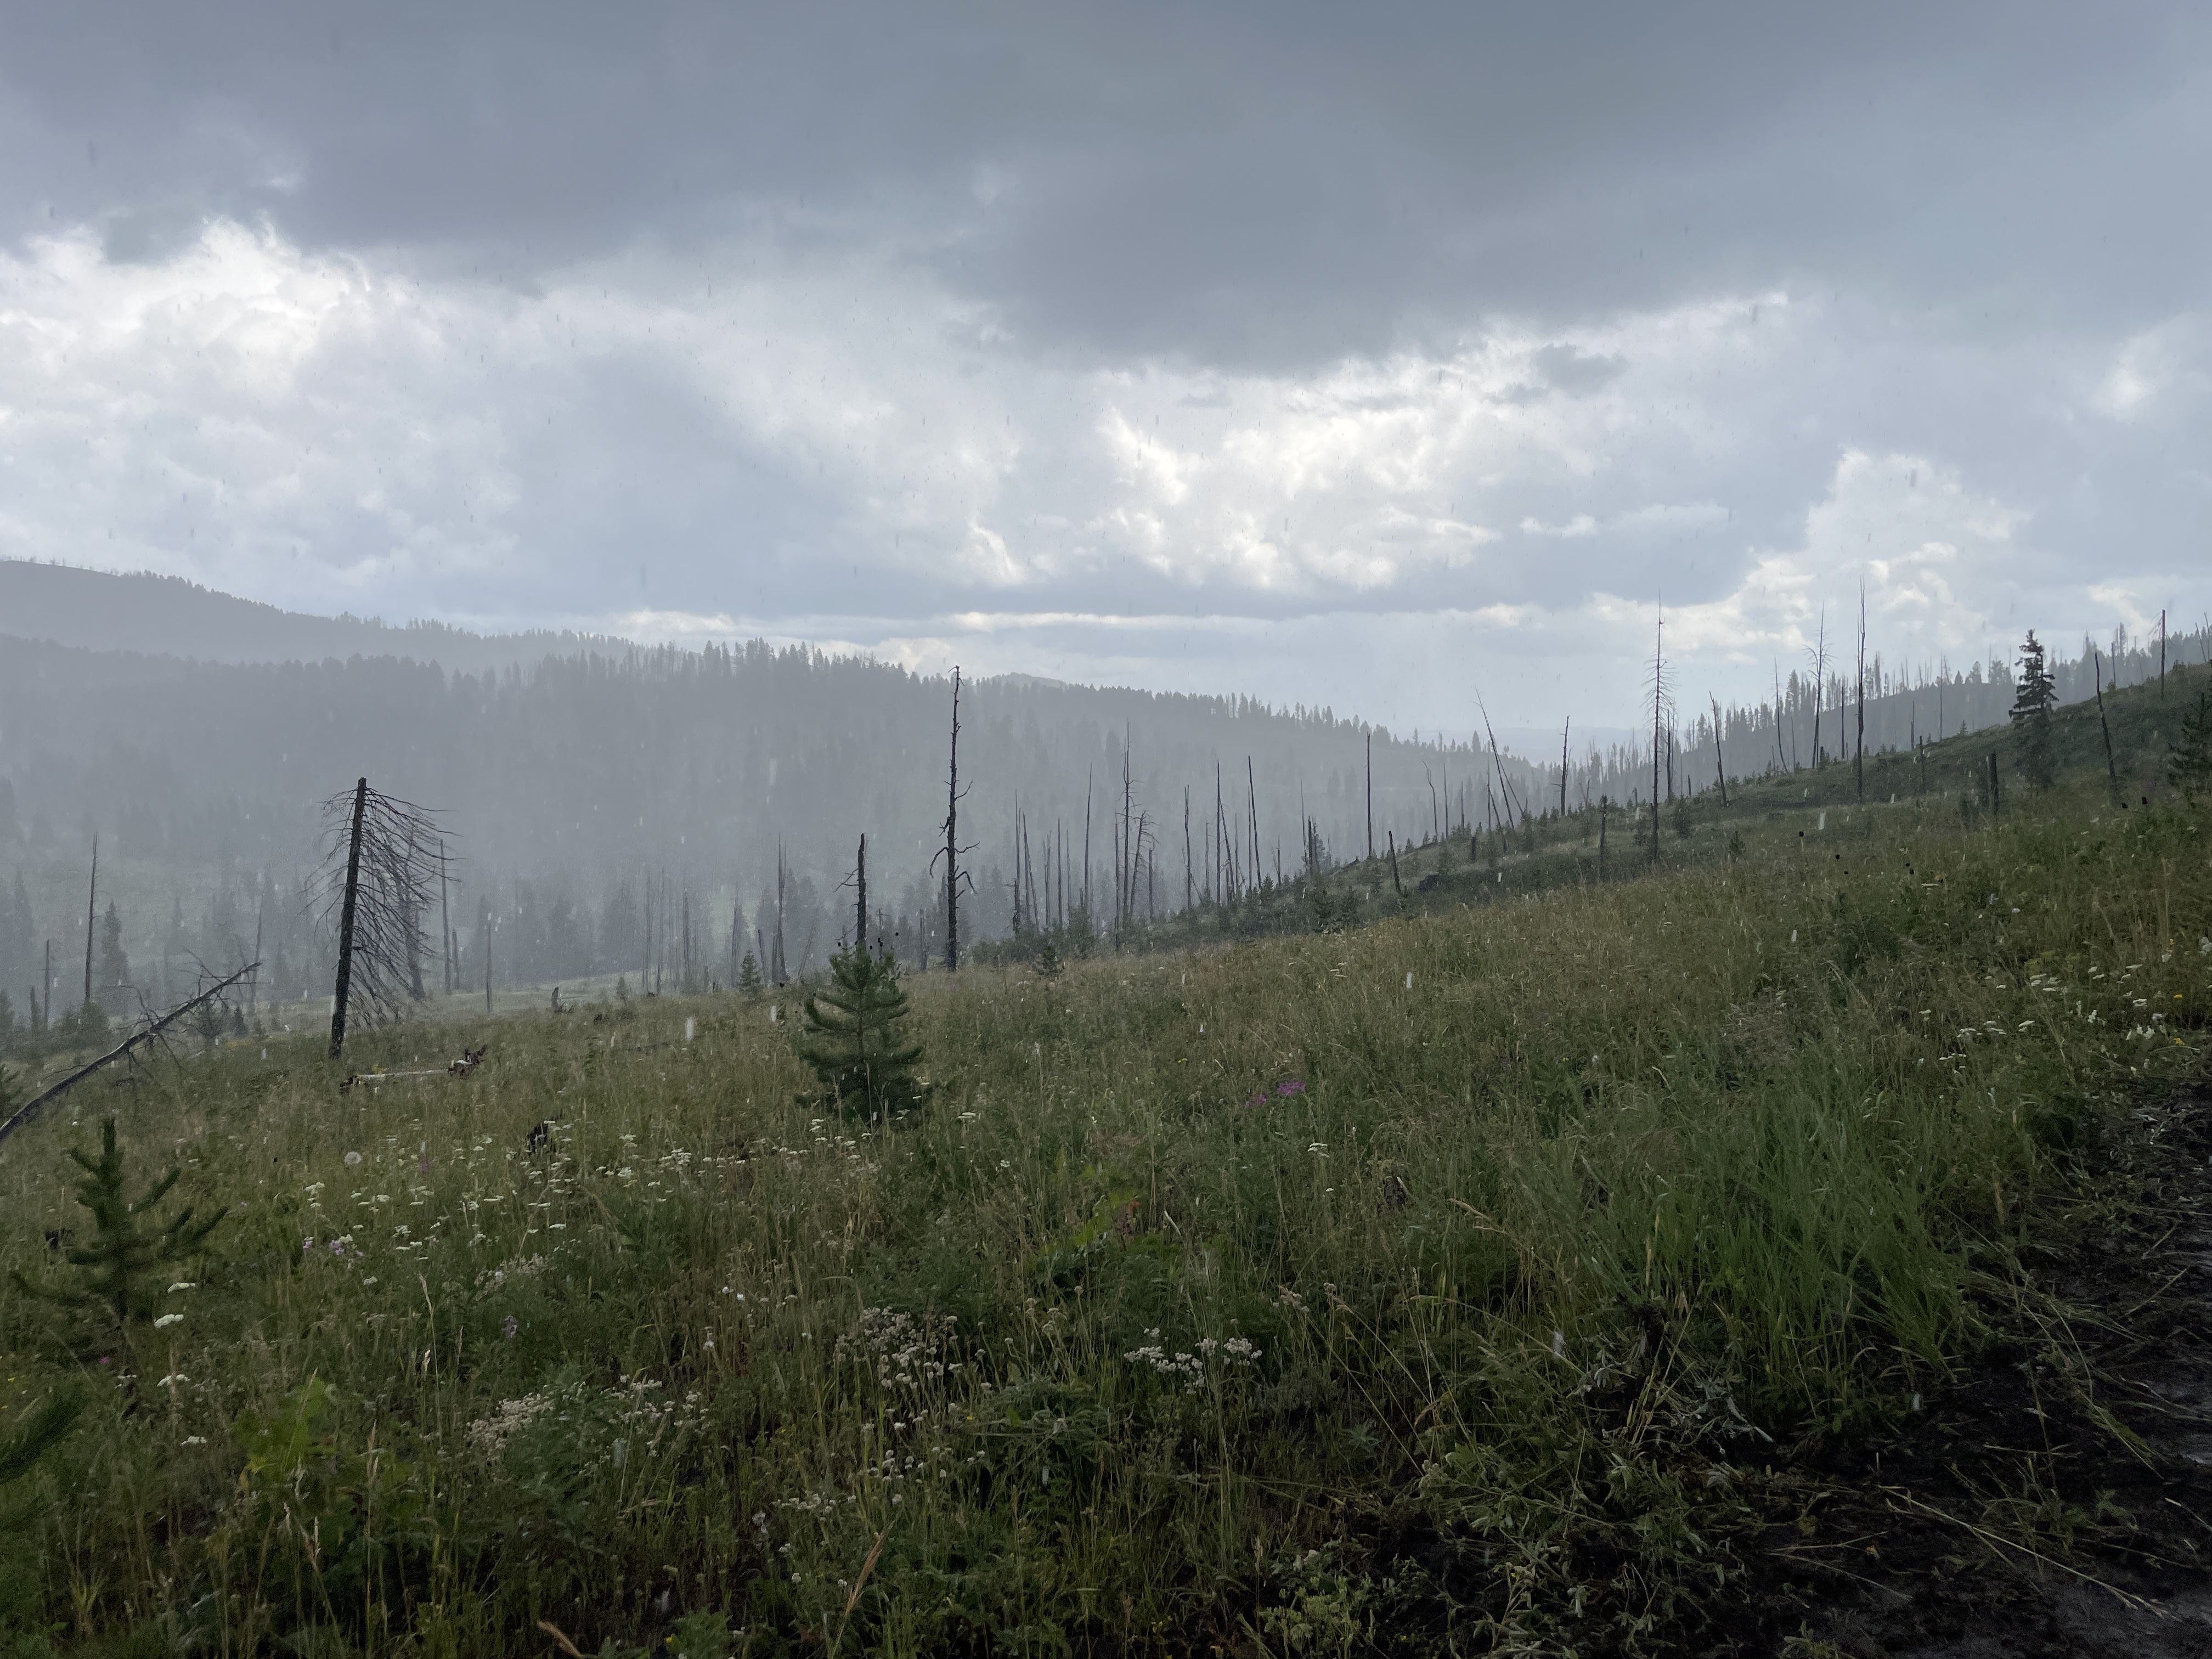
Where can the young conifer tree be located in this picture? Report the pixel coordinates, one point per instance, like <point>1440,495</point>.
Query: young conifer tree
<point>851,1034</point>
<point>2034,698</point>
<point>124,1261</point>
<point>2189,768</point>
<point>40,1431</point>
<point>36,1435</point>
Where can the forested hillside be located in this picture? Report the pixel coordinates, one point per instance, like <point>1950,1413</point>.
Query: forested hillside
<point>570,785</point>
<point>614,809</point>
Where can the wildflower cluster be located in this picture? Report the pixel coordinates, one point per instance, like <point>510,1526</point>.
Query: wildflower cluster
<point>1189,1370</point>
<point>488,1435</point>
<point>906,1353</point>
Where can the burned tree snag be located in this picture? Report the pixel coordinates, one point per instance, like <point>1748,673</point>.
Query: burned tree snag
<point>1567,726</point>
<point>1858,745</point>
<point>91,903</point>
<point>952,848</point>
<point>348,906</point>
<point>1719,770</point>
<point>1370,796</point>
<point>378,868</point>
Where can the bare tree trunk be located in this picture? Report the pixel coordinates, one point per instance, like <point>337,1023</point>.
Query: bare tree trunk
<point>1396,885</point>
<point>1658,718</point>
<point>1781,760</point>
<point>952,839</point>
<point>91,900</point>
<point>860,899</point>
<point>1720,771</point>
<point>779,968</point>
<point>153,1028</point>
<point>2111,767</point>
<point>1225,859</point>
<point>1189,888</point>
<point>445,922</point>
<point>483,934</point>
<point>346,912</point>
<point>1567,726</point>
<point>1371,795</point>
<point>1858,748</point>
<point>1819,682</point>
<point>414,946</point>
<point>1083,892</point>
<point>1252,804</point>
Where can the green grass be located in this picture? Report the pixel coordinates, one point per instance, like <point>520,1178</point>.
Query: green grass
<point>1483,1278</point>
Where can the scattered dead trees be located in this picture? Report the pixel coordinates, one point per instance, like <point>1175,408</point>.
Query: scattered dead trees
<point>383,863</point>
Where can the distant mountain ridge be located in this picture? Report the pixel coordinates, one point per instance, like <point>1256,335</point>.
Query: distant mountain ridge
<point>170,617</point>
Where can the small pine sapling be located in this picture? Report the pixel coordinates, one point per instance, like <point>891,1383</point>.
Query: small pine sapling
<point>749,978</point>
<point>2189,768</point>
<point>851,1038</point>
<point>39,1434</point>
<point>123,1262</point>
<point>1048,959</point>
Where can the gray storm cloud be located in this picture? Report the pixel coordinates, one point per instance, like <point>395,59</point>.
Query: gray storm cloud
<point>1346,357</point>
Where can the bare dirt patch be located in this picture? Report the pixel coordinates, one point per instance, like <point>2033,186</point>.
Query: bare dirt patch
<point>2056,1500</point>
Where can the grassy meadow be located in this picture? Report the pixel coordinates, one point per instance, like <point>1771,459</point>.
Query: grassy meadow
<point>1480,1279</point>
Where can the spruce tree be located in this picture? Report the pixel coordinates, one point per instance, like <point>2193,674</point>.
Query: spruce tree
<point>115,974</point>
<point>749,978</point>
<point>121,1263</point>
<point>2189,768</point>
<point>1048,959</point>
<point>2034,698</point>
<point>40,1433</point>
<point>851,1038</point>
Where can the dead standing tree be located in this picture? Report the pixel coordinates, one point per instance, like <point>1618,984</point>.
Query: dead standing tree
<point>382,858</point>
<point>1662,711</point>
<point>952,849</point>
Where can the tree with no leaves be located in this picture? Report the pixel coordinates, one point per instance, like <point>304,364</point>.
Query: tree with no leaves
<point>383,858</point>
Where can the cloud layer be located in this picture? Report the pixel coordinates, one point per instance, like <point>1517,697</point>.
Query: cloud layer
<point>1367,368</point>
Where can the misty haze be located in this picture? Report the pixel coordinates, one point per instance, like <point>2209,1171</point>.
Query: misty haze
<point>1273,831</point>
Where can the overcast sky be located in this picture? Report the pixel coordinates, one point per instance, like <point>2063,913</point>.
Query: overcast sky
<point>1369,355</point>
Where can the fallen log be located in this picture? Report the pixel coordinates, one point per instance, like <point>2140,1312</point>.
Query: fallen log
<point>145,1033</point>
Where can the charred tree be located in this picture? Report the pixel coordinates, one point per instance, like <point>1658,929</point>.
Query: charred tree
<point>952,848</point>
<point>1370,796</point>
<point>1858,745</point>
<point>1720,771</point>
<point>1566,726</point>
<point>91,904</point>
<point>378,868</point>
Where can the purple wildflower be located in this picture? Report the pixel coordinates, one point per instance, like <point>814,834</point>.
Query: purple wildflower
<point>1295,1086</point>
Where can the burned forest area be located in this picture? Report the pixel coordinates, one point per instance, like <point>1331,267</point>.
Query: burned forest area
<point>754,1152</point>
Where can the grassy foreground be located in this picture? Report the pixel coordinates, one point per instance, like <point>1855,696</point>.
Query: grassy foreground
<point>1477,1279</point>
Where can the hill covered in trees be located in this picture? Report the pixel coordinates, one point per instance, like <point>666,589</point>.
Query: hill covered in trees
<point>619,809</point>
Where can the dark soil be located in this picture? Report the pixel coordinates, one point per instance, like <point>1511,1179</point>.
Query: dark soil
<point>2057,1499</point>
